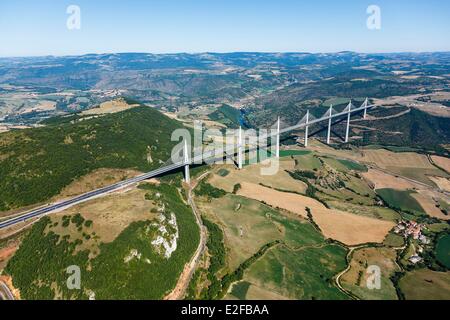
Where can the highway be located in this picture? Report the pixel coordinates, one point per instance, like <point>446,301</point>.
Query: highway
<point>86,196</point>
<point>209,156</point>
<point>5,293</point>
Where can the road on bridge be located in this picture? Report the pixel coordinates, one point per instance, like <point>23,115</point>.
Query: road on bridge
<point>199,159</point>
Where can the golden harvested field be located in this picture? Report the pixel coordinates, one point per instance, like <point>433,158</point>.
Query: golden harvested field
<point>257,293</point>
<point>442,162</point>
<point>112,106</point>
<point>342,226</point>
<point>442,183</point>
<point>381,180</point>
<point>369,211</point>
<point>320,147</point>
<point>384,159</point>
<point>425,199</point>
<point>110,214</point>
<point>251,173</point>
<point>355,279</point>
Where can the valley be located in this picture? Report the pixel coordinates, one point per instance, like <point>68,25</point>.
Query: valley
<point>309,231</point>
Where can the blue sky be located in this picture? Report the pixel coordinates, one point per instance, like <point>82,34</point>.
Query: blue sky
<point>32,27</point>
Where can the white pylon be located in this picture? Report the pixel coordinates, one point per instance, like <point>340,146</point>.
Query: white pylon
<point>329,124</point>
<point>306,128</point>
<point>347,130</point>
<point>240,148</point>
<point>277,152</point>
<point>365,108</point>
<point>187,177</point>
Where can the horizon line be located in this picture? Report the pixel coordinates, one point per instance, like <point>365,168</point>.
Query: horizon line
<point>219,52</point>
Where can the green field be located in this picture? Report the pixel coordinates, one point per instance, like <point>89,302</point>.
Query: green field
<point>248,225</point>
<point>443,250</point>
<point>433,285</point>
<point>401,200</point>
<point>240,289</point>
<point>344,165</point>
<point>288,153</point>
<point>394,240</point>
<point>39,266</point>
<point>368,211</point>
<point>303,274</point>
<point>352,165</point>
<point>307,162</point>
<point>357,277</point>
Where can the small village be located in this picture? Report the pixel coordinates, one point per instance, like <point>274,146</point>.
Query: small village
<point>413,229</point>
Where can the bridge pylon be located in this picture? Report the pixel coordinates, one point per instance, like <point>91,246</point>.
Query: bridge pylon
<point>307,128</point>
<point>366,102</point>
<point>277,151</point>
<point>349,112</point>
<point>187,177</point>
<point>330,113</point>
<point>240,148</point>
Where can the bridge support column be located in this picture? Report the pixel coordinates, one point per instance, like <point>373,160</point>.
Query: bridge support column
<point>365,108</point>
<point>187,177</point>
<point>329,125</point>
<point>240,155</point>
<point>277,152</point>
<point>347,129</point>
<point>306,128</point>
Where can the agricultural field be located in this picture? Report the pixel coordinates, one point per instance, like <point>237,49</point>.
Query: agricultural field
<point>356,278</point>
<point>246,223</point>
<point>442,183</point>
<point>401,200</point>
<point>381,180</point>
<point>376,212</point>
<point>432,204</point>
<point>112,106</point>
<point>303,273</point>
<point>442,162</point>
<point>342,226</point>
<point>252,173</point>
<point>307,161</point>
<point>344,165</point>
<point>433,285</point>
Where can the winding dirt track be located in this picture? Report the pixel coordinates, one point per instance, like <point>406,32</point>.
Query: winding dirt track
<point>183,281</point>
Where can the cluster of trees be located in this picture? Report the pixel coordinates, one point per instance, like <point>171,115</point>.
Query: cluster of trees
<point>227,115</point>
<point>217,252</point>
<point>43,258</point>
<point>209,191</point>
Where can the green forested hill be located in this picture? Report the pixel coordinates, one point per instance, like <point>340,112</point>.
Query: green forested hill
<point>35,164</point>
<point>414,129</point>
